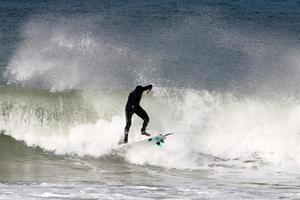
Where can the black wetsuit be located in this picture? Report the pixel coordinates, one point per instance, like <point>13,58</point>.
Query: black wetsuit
<point>133,106</point>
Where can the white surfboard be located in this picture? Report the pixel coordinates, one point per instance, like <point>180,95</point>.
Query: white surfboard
<point>157,140</point>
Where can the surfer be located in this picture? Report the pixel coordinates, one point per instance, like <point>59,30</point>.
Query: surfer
<point>133,106</point>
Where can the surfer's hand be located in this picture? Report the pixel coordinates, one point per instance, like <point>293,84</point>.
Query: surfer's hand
<point>149,92</point>
<point>146,88</point>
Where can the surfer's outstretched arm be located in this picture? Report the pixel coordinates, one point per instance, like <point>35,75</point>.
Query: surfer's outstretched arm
<point>148,87</point>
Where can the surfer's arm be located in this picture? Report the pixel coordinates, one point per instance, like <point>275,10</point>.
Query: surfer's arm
<point>148,87</point>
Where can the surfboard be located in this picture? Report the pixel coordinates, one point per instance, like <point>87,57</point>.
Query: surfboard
<point>157,140</point>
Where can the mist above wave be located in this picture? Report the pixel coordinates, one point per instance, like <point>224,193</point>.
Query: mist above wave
<point>199,51</point>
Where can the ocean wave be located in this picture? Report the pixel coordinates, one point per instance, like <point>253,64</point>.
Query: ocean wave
<point>223,126</point>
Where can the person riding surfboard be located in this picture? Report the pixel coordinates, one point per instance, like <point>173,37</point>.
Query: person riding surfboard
<point>133,106</point>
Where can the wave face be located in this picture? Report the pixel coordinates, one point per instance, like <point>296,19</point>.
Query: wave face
<point>91,123</point>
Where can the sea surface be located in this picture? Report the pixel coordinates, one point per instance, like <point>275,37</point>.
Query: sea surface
<point>225,77</point>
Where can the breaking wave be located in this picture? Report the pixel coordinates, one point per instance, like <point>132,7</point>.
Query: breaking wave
<point>226,93</point>
<point>220,125</point>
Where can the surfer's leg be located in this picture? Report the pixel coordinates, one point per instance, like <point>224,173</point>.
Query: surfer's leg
<point>128,115</point>
<point>142,114</point>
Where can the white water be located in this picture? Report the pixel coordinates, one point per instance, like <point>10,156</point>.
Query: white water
<point>216,125</point>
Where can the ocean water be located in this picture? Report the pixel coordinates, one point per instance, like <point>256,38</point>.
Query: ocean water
<point>226,81</point>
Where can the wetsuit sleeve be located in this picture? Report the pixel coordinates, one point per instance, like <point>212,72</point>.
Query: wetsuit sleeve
<point>148,87</point>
